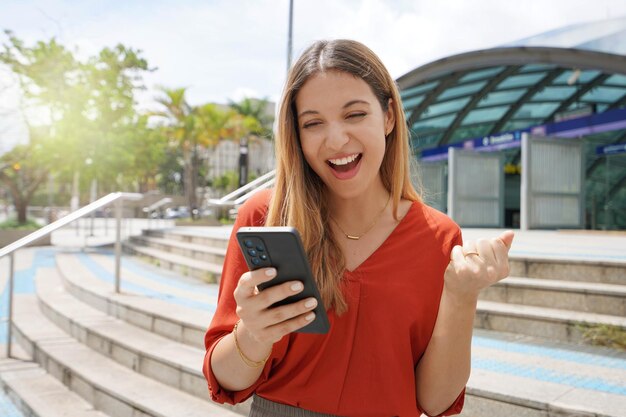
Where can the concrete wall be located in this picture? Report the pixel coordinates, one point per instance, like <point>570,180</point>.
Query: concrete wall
<point>10,236</point>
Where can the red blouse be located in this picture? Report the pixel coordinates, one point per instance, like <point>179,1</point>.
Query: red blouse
<point>364,366</point>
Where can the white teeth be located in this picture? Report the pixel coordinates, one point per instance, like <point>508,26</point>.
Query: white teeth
<point>343,161</point>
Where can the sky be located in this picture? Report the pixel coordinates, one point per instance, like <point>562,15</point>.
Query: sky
<point>224,50</point>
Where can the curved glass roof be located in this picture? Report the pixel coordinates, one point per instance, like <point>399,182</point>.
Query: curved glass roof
<point>486,101</point>
<point>531,82</point>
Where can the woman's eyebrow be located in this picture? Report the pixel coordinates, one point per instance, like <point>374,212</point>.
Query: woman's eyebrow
<point>308,112</point>
<point>353,102</point>
<point>348,104</point>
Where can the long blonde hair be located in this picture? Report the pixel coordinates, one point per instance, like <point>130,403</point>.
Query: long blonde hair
<point>298,198</point>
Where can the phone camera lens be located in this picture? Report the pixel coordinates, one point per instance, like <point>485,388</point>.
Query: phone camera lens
<point>256,261</point>
<point>251,252</point>
<point>260,248</point>
<point>248,243</point>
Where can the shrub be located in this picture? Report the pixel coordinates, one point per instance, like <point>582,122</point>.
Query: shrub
<point>13,224</point>
<point>604,335</point>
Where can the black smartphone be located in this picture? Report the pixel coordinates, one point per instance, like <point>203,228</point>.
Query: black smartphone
<point>281,248</point>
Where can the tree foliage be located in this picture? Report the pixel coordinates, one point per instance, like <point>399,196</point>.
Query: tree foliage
<point>257,115</point>
<point>88,109</point>
<point>90,129</point>
<point>196,129</point>
<point>23,169</point>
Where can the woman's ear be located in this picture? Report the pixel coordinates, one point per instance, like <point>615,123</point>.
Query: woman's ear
<point>390,118</point>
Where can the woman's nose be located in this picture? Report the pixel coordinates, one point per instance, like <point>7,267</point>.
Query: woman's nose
<point>336,138</point>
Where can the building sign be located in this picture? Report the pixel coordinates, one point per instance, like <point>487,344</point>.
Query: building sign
<point>497,142</point>
<point>611,149</point>
<point>588,125</point>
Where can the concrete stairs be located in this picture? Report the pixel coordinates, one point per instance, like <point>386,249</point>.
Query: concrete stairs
<point>556,299</point>
<point>180,323</point>
<point>188,254</point>
<point>139,353</point>
<point>551,298</point>
<point>38,394</point>
<point>106,349</point>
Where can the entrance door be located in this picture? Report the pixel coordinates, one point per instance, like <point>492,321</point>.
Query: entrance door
<point>475,188</point>
<point>552,192</point>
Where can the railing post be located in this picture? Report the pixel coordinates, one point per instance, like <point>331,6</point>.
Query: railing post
<point>118,242</point>
<point>10,323</point>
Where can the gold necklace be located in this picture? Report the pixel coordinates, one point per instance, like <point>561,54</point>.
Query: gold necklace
<point>354,237</point>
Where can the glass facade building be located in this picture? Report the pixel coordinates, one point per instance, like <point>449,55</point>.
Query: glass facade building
<point>540,83</point>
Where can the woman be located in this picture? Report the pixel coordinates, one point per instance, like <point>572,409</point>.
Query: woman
<point>399,286</point>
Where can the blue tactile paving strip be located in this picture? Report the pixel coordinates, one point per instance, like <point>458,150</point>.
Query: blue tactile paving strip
<point>24,283</point>
<point>107,276</point>
<point>137,268</point>
<point>548,375</point>
<point>550,352</point>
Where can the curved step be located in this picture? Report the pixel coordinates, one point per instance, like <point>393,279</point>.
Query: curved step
<point>38,394</point>
<point>109,386</point>
<point>549,323</point>
<point>600,271</point>
<point>157,357</point>
<point>206,271</point>
<point>590,297</point>
<point>216,237</point>
<point>179,323</point>
<point>191,250</point>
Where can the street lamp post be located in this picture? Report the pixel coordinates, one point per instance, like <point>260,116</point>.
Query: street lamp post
<point>243,161</point>
<point>290,36</point>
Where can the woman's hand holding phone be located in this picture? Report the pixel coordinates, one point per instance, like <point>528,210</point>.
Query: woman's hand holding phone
<point>239,357</point>
<point>263,321</point>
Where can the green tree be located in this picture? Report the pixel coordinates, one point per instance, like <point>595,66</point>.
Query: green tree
<point>113,76</point>
<point>257,114</point>
<point>47,74</point>
<point>180,127</point>
<point>148,147</point>
<point>195,129</point>
<point>89,105</point>
<point>22,170</point>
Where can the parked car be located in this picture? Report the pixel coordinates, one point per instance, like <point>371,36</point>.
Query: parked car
<point>176,212</point>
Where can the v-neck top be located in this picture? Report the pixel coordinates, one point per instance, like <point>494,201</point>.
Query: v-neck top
<point>365,365</point>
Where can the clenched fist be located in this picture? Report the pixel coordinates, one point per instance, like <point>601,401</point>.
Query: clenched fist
<point>477,265</point>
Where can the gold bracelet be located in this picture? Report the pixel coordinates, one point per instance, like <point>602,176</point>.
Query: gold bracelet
<point>244,358</point>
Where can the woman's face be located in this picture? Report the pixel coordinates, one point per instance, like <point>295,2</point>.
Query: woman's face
<point>342,131</point>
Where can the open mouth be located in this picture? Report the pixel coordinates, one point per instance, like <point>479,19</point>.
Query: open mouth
<point>345,164</point>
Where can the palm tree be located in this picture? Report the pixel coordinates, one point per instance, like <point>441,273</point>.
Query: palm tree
<point>181,129</point>
<point>205,126</point>
<point>258,110</point>
<point>212,124</point>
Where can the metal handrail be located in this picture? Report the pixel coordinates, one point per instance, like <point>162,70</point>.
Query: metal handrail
<point>236,196</point>
<point>10,249</point>
<point>156,205</point>
<point>249,194</point>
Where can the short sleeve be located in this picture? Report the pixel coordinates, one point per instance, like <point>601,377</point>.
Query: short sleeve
<point>457,239</point>
<point>252,213</point>
<point>455,408</point>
